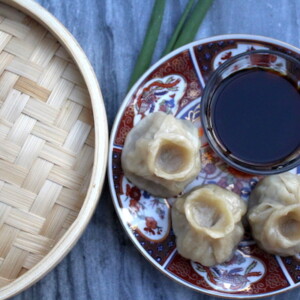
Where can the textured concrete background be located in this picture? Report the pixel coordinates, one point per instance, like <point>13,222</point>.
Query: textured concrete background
<point>104,264</point>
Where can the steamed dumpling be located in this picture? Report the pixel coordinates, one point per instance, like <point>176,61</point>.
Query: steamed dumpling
<point>161,154</point>
<point>207,224</point>
<point>274,214</point>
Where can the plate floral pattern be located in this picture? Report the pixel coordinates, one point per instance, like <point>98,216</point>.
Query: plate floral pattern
<point>175,85</point>
<point>235,275</point>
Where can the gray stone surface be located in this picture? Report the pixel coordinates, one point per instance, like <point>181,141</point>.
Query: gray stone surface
<point>104,264</point>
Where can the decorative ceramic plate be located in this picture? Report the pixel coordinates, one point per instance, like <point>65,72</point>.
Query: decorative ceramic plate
<point>175,85</point>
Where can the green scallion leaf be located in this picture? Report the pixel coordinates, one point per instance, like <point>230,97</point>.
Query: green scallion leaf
<point>170,45</point>
<point>189,31</point>
<point>145,57</point>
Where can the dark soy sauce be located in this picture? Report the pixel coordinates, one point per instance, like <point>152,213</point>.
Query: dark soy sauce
<point>256,115</point>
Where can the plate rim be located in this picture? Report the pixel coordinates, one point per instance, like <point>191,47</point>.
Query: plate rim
<point>69,239</point>
<point>231,36</point>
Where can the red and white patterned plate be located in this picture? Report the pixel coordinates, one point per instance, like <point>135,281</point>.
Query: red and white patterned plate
<point>175,85</point>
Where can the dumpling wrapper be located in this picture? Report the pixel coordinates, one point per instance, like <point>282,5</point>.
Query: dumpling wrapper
<point>207,224</point>
<point>161,154</point>
<point>274,214</point>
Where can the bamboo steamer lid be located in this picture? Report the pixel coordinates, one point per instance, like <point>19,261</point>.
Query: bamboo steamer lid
<point>53,143</point>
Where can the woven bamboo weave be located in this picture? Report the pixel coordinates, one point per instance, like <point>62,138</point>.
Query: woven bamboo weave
<point>46,142</point>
